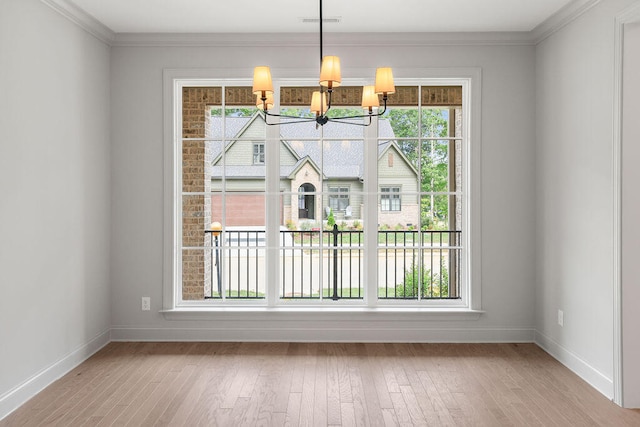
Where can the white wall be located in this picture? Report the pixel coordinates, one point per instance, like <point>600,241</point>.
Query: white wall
<point>574,194</point>
<point>54,197</point>
<point>507,182</point>
<point>631,216</point>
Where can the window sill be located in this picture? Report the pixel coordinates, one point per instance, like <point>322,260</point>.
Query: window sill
<point>321,313</point>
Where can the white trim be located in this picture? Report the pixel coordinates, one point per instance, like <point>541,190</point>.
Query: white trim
<point>469,78</point>
<point>17,396</point>
<point>617,213</point>
<point>82,19</point>
<point>320,333</point>
<point>629,15</point>
<point>170,187</point>
<point>314,315</point>
<point>514,38</point>
<point>561,18</point>
<point>472,133</point>
<point>591,375</point>
<point>506,38</point>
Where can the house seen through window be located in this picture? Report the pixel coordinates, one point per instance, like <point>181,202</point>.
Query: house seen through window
<point>235,169</point>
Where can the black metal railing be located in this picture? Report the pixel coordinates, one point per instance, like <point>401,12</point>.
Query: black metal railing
<point>421,265</point>
<point>328,264</point>
<point>317,263</point>
<point>237,260</point>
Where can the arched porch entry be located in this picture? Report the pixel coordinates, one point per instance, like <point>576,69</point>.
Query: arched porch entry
<point>306,202</point>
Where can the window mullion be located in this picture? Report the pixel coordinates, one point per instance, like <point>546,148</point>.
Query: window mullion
<point>272,234</point>
<point>370,217</point>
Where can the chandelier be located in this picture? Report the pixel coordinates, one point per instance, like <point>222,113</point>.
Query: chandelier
<point>330,78</point>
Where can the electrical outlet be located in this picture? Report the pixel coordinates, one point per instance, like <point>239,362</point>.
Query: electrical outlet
<point>146,303</point>
<point>560,317</point>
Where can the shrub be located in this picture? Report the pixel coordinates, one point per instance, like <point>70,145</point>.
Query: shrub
<point>291,226</point>
<point>331,221</point>
<point>305,226</point>
<point>409,289</point>
<point>427,221</point>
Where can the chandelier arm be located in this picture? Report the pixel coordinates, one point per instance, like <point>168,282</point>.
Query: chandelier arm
<point>300,119</point>
<point>307,119</point>
<point>337,120</point>
<point>361,116</point>
<point>384,108</point>
<point>328,101</point>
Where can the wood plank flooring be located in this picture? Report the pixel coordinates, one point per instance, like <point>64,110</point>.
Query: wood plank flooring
<point>320,384</point>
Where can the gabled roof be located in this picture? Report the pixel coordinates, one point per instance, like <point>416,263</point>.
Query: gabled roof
<point>299,164</point>
<point>234,127</point>
<point>385,146</point>
<point>342,155</point>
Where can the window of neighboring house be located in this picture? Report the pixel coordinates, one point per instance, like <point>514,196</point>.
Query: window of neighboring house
<point>338,198</point>
<point>390,198</point>
<point>258,153</point>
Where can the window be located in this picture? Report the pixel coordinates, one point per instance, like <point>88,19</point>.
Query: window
<point>390,199</point>
<point>258,153</point>
<point>426,145</point>
<point>338,198</point>
<point>399,190</point>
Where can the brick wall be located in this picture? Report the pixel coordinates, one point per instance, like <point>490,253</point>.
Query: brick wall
<point>196,177</point>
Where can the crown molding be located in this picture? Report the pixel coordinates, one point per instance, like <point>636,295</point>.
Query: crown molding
<point>311,39</point>
<point>103,33</point>
<point>82,19</point>
<point>561,18</point>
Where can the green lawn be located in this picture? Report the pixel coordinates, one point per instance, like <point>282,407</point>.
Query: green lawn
<point>384,238</point>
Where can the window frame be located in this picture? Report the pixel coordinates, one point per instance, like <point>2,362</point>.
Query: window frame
<point>338,193</point>
<point>390,196</point>
<point>259,154</point>
<point>470,79</point>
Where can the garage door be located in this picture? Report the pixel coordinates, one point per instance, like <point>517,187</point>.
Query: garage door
<point>241,210</point>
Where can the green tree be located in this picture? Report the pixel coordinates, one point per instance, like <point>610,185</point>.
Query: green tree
<point>431,158</point>
<point>333,112</point>
<point>234,112</point>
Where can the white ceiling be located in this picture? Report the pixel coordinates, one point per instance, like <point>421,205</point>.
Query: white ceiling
<point>275,16</point>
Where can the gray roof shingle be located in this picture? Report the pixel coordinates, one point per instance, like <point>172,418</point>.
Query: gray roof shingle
<point>340,159</point>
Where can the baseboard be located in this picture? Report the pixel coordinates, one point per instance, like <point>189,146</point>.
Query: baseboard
<point>20,394</point>
<point>121,333</point>
<point>591,375</point>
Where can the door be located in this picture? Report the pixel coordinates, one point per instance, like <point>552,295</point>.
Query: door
<point>306,202</point>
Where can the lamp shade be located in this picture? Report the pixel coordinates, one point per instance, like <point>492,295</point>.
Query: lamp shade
<point>370,97</point>
<point>216,227</point>
<point>262,80</point>
<point>318,103</point>
<point>384,81</point>
<point>260,104</point>
<point>330,72</point>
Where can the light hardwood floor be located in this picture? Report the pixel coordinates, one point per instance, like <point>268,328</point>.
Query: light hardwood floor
<point>275,384</point>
